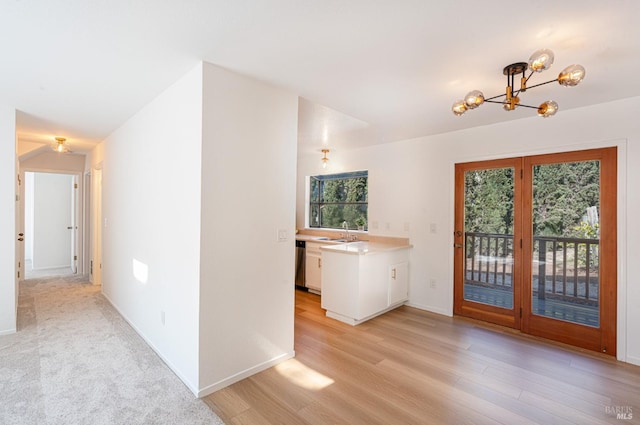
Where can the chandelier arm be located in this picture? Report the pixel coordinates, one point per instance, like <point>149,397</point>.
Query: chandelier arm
<point>542,84</point>
<point>489,99</point>
<point>517,93</point>
<point>527,80</point>
<point>501,103</point>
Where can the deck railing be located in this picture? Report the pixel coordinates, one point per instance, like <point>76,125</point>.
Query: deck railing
<point>563,268</point>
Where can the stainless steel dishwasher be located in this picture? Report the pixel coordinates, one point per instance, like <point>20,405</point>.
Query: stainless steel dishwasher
<point>300,260</point>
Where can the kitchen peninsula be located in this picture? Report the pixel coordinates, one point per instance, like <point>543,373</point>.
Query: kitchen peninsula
<point>361,279</point>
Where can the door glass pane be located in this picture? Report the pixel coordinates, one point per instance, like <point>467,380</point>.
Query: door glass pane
<point>488,231</point>
<point>566,232</point>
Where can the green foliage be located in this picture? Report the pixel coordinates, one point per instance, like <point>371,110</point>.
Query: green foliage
<point>561,195</point>
<point>588,231</point>
<point>334,201</point>
<point>489,201</point>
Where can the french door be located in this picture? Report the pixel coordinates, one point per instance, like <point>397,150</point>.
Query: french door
<point>535,245</point>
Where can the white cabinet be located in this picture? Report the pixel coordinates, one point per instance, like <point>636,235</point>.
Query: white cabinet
<point>313,267</point>
<point>357,288</point>
<point>398,282</point>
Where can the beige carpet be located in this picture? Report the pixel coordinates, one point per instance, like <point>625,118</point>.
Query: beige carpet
<point>75,360</point>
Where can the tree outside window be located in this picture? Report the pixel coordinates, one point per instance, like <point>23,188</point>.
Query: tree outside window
<point>336,198</point>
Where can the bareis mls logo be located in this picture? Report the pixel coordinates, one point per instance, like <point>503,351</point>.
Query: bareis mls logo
<point>620,412</point>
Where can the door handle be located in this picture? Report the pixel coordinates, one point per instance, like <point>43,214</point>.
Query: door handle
<point>20,239</point>
<point>458,233</point>
<point>20,234</point>
<point>457,245</point>
<point>69,228</point>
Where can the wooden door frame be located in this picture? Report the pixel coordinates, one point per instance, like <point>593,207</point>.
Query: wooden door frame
<point>493,314</point>
<point>596,339</point>
<point>522,317</point>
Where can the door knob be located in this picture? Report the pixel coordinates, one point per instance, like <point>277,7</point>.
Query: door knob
<point>458,233</point>
<point>457,245</point>
<point>20,234</point>
<point>20,239</point>
<point>69,228</point>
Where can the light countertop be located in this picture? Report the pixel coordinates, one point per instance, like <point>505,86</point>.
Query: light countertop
<point>363,247</point>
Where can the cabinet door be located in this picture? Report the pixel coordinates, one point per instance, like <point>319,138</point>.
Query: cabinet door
<point>313,266</point>
<point>398,283</point>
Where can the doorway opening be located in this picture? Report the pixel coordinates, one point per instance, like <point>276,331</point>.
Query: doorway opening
<point>52,224</point>
<point>535,245</point>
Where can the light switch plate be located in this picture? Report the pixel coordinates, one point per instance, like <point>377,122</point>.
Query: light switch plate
<point>282,235</point>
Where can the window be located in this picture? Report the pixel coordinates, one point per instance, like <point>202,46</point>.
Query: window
<point>336,198</point>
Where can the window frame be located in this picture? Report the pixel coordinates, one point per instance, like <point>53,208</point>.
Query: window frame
<point>320,203</point>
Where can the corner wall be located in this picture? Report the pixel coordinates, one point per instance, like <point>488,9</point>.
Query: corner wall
<point>249,152</point>
<point>411,186</point>
<point>8,289</point>
<point>151,221</point>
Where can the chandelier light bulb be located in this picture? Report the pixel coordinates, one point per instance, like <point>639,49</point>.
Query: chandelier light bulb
<point>473,99</point>
<point>459,107</point>
<point>548,109</point>
<point>571,75</point>
<point>324,158</point>
<point>541,60</point>
<point>59,145</point>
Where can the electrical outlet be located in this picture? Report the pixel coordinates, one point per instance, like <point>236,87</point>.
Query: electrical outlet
<point>433,228</point>
<point>432,284</point>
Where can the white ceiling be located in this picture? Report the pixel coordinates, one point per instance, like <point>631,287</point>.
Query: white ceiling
<point>368,71</point>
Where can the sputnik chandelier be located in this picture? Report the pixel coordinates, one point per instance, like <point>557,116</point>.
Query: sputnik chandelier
<point>539,61</point>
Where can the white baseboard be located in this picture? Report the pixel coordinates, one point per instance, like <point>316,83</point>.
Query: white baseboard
<point>8,331</point>
<point>633,360</point>
<point>210,389</point>
<point>175,370</point>
<point>429,308</point>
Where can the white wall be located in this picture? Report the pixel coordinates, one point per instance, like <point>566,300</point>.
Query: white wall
<point>52,214</point>
<point>248,194</point>
<point>54,162</point>
<point>151,222</point>
<point>412,183</point>
<point>8,232</point>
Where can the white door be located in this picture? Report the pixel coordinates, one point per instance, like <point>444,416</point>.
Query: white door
<point>53,225</point>
<point>19,227</point>
<point>73,206</point>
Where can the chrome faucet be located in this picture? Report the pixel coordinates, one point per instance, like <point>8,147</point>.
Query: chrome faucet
<point>345,226</point>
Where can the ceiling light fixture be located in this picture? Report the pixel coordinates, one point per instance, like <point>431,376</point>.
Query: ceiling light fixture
<point>59,145</point>
<point>325,160</point>
<point>539,61</point>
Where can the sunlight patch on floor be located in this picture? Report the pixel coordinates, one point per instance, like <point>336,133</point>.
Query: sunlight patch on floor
<point>303,376</point>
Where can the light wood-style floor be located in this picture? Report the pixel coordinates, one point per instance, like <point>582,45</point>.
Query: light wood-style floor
<point>413,367</point>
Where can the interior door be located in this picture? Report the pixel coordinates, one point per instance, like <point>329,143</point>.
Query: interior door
<point>73,227</point>
<point>487,225</point>
<point>52,227</point>
<point>535,245</point>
